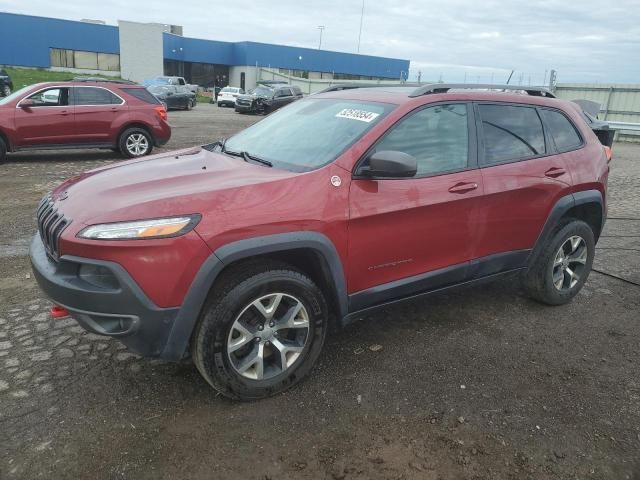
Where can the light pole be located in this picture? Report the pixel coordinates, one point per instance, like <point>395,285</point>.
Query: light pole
<point>361,20</point>
<point>321,28</point>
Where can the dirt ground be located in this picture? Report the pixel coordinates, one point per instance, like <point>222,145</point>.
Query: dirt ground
<point>477,384</point>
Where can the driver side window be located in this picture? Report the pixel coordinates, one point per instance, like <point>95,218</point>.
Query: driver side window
<point>51,97</point>
<point>437,136</point>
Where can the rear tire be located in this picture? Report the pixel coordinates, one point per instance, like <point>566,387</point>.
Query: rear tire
<point>6,90</point>
<point>563,265</point>
<point>3,151</point>
<point>135,142</point>
<point>248,352</point>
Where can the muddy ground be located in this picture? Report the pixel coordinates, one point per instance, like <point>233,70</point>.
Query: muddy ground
<point>478,384</point>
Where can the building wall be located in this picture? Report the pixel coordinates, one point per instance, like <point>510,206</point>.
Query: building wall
<point>141,50</point>
<point>25,40</point>
<point>618,103</point>
<point>143,47</point>
<point>187,49</point>
<point>251,74</point>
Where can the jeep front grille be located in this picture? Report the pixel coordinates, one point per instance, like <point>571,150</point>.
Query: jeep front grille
<point>51,224</point>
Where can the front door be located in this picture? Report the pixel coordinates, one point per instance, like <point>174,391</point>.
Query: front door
<point>47,120</point>
<point>418,233</point>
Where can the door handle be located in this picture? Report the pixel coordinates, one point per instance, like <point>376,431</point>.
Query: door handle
<point>554,172</point>
<point>463,187</point>
<point>64,113</point>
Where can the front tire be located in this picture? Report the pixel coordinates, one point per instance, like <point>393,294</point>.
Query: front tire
<point>563,265</point>
<point>261,332</point>
<point>135,142</point>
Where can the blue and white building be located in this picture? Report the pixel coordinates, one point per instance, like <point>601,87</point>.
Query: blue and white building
<point>138,51</point>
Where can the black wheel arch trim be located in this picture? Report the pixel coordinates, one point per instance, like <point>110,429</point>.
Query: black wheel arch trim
<point>179,338</point>
<point>561,207</point>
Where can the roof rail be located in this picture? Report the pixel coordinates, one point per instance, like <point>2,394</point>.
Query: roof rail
<point>103,80</point>
<point>445,87</point>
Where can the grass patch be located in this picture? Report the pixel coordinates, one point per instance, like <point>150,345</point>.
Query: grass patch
<point>22,77</point>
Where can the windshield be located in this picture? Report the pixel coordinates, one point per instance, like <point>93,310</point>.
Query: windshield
<point>228,89</point>
<point>261,90</point>
<point>158,89</point>
<point>14,95</point>
<point>308,133</point>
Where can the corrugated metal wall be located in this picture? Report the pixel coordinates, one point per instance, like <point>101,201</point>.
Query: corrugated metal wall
<point>620,103</point>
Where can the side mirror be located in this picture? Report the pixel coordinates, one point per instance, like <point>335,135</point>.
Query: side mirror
<point>389,164</point>
<point>27,103</point>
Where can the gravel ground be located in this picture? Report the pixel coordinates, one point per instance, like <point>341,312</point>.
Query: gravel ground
<point>481,383</point>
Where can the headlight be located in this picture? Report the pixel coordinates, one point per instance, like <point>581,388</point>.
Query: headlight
<point>142,229</point>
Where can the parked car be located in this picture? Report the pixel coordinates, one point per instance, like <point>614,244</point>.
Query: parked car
<point>174,96</point>
<point>6,85</point>
<point>61,115</point>
<point>241,254</point>
<point>167,80</point>
<point>227,96</point>
<point>267,98</point>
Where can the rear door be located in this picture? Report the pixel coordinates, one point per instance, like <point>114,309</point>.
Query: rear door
<point>402,228</point>
<point>96,109</point>
<point>283,96</point>
<point>48,121</point>
<point>523,178</point>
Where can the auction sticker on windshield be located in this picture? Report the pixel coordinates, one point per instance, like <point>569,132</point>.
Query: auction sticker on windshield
<point>354,114</point>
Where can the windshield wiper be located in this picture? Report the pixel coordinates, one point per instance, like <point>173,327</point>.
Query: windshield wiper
<point>247,157</point>
<point>212,146</point>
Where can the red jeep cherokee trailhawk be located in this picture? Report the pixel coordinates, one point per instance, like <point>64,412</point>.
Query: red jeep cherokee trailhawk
<point>241,253</point>
<point>89,113</point>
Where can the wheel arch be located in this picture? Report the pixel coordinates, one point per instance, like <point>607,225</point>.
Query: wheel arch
<point>587,205</point>
<point>310,252</point>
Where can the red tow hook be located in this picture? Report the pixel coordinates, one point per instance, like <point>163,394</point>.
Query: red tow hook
<point>58,312</point>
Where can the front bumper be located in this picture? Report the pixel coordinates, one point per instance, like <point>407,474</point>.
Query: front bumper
<point>104,299</point>
<point>245,108</point>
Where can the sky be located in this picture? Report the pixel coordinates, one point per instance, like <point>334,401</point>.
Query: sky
<point>453,40</point>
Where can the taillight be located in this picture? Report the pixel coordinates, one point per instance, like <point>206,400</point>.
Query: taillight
<point>162,113</point>
<point>608,153</point>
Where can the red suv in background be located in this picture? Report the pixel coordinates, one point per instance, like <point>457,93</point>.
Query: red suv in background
<point>83,114</point>
<point>241,253</point>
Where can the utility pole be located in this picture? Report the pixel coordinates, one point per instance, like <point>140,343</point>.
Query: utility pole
<point>361,20</point>
<point>419,76</point>
<point>321,28</point>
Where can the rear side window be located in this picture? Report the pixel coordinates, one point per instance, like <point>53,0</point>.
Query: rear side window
<point>436,136</point>
<point>510,133</point>
<point>142,94</point>
<point>94,96</point>
<point>563,132</point>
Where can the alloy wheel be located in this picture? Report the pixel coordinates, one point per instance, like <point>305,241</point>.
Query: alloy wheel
<point>137,144</point>
<point>268,336</point>
<point>569,263</point>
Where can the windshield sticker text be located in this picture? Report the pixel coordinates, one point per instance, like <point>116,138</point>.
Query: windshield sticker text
<point>354,114</point>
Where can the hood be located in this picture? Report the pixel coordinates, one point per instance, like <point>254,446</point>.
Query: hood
<point>251,96</point>
<point>183,182</point>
